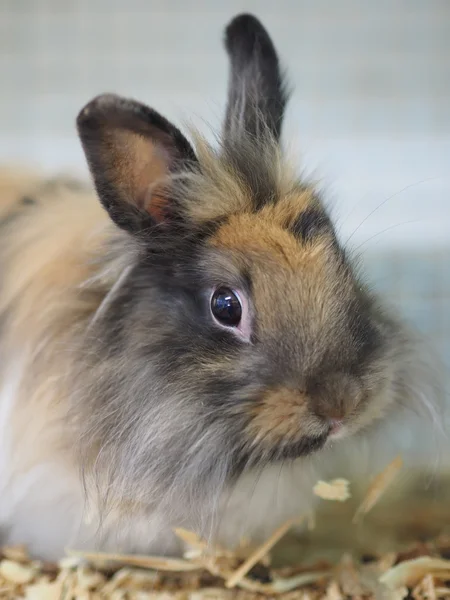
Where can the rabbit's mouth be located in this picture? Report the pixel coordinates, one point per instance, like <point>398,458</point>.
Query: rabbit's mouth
<point>284,451</point>
<point>304,447</point>
<point>282,425</point>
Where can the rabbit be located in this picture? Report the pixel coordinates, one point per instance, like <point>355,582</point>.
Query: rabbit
<point>187,343</point>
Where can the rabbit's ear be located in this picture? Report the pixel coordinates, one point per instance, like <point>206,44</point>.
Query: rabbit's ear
<point>131,150</point>
<point>257,94</point>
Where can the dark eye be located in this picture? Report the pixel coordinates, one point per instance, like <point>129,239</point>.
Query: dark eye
<point>226,307</point>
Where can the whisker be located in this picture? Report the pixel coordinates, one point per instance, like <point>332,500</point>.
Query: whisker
<point>258,476</point>
<point>407,406</point>
<point>341,220</point>
<point>411,185</point>
<point>384,231</point>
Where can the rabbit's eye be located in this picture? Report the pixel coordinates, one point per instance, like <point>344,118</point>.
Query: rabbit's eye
<point>226,307</point>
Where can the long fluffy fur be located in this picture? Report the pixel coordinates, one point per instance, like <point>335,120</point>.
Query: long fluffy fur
<point>47,316</point>
<point>124,411</point>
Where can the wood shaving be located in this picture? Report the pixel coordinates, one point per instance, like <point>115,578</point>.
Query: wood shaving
<point>338,490</point>
<point>399,594</point>
<point>423,578</point>
<point>15,553</point>
<point>419,572</point>
<point>14,572</point>
<point>147,562</point>
<point>44,591</point>
<point>379,485</point>
<point>410,572</point>
<point>429,587</point>
<point>262,551</point>
<point>349,578</point>
<point>333,592</point>
<point>190,538</point>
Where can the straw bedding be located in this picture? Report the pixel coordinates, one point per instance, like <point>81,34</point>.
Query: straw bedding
<point>375,548</point>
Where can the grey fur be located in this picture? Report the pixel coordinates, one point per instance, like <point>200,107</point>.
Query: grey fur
<point>172,416</point>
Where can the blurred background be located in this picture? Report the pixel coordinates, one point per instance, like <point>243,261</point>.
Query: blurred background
<point>369,117</point>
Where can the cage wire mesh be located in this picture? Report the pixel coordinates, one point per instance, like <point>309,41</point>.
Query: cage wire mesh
<point>369,115</point>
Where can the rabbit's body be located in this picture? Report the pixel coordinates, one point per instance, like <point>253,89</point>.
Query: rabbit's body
<point>180,358</point>
<point>56,271</point>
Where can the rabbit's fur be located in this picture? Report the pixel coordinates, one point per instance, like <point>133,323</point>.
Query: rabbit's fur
<point>125,409</point>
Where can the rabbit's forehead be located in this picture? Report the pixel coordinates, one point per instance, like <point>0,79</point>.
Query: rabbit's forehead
<point>293,279</point>
<point>274,238</point>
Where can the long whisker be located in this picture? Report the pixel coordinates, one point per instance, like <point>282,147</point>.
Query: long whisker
<point>342,220</point>
<point>384,231</point>
<point>411,185</point>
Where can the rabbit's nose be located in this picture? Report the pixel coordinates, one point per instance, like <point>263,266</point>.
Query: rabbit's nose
<point>332,412</point>
<point>335,426</point>
<point>334,397</point>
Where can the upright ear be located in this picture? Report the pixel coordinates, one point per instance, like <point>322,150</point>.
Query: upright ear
<point>131,150</point>
<point>257,95</point>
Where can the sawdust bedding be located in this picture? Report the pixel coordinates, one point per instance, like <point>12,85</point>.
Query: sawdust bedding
<point>419,572</point>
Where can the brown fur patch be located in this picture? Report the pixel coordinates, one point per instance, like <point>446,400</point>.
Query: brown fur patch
<point>49,254</point>
<point>47,258</point>
<point>278,416</point>
<point>263,233</point>
<point>287,209</point>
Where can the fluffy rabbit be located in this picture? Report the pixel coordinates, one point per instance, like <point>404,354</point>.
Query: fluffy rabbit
<point>182,347</point>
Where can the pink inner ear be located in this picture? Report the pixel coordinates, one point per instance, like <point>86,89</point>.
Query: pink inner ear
<point>142,167</point>
<point>157,207</point>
